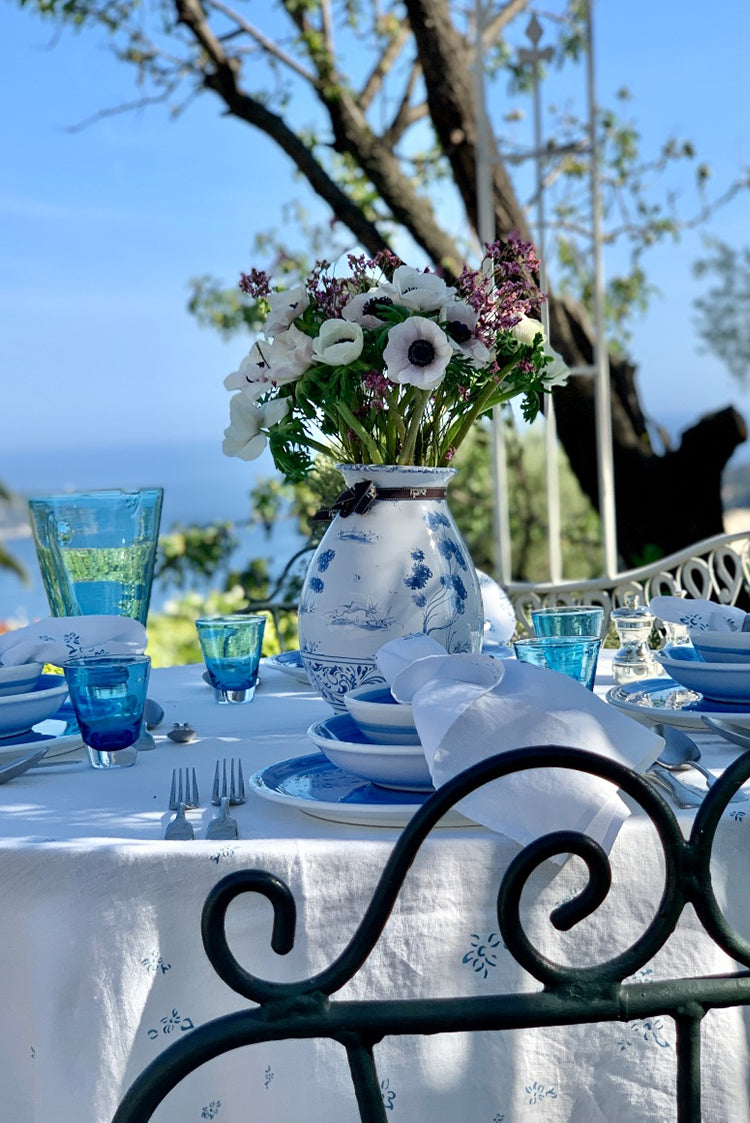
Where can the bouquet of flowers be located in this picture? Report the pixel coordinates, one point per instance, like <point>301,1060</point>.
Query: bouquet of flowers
<point>389,364</point>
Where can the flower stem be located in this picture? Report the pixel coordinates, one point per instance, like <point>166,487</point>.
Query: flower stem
<point>421,398</point>
<point>491,395</point>
<point>369,444</point>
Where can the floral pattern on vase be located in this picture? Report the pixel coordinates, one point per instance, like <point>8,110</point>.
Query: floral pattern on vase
<point>399,568</point>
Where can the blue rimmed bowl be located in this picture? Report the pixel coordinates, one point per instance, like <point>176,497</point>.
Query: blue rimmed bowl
<point>18,712</point>
<point>20,679</point>
<point>389,766</point>
<point>720,682</point>
<point>380,717</point>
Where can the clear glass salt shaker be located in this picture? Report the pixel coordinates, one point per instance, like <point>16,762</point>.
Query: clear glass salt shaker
<point>677,635</point>
<point>634,659</point>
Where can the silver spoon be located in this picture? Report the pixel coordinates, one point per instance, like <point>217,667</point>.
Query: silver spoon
<point>681,751</point>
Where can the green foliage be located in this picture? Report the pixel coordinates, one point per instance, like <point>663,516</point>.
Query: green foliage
<point>471,504</point>
<point>722,319</point>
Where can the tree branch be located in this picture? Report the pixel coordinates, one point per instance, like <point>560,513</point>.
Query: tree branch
<point>382,67</point>
<point>261,39</point>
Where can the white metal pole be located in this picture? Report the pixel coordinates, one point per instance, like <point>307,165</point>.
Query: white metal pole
<point>486,232</point>
<point>603,401</point>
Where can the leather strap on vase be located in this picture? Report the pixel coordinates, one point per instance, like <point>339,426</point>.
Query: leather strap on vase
<point>358,499</point>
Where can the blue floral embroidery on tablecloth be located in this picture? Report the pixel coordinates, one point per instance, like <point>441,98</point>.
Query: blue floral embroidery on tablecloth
<point>170,1023</point>
<point>325,559</point>
<point>538,1092</point>
<point>738,816</point>
<point>33,1052</point>
<point>212,1110</point>
<point>154,962</point>
<point>498,1118</point>
<point>225,852</point>
<point>267,1077</point>
<point>649,1029</point>
<point>482,954</point>
<point>389,1096</point>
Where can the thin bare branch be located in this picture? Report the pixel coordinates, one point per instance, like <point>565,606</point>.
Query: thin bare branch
<point>406,113</point>
<point>327,24</point>
<point>382,67</point>
<point>500,21</point>
<point>126,107</point>
<point>268,45</point>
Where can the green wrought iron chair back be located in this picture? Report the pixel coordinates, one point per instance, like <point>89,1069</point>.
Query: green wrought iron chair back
<point>570,995</point>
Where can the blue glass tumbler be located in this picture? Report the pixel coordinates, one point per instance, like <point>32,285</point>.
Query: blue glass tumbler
<point>97,550</point>
<point>231,647</point>
<point>568,620</point>
<point>108,693</point>
<point>575,656</point>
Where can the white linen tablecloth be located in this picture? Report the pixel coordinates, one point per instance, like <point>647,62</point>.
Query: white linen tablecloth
<point>102,964</point>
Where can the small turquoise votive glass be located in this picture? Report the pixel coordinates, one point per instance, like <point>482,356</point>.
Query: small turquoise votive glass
<point>575,656</point>
<point>231,647</point>
<point>568,620</point>
<point>108,693</point>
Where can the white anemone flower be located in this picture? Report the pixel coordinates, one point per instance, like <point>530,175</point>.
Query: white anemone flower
<point>252,377</point>
<point>272,364</point>
<point>339,342</point>
<point>417,353</point>
<point>526,330</point>
<point>461,321</point>
<point>285,307</point>
<point>422,292</point>
<point>555,373</point>
<point>363,308</point>
<point>244,436</point>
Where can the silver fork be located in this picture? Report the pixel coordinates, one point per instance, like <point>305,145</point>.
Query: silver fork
<point>235,789</point>
<point>223,825</point>
<point>179,829</point>
<point>184,789</point>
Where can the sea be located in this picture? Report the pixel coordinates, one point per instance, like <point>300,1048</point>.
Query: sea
<point>201,486</point>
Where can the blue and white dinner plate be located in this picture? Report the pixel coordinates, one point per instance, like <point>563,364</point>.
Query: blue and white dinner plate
<point>55,732</point>
<point>289,663</point>
<point>663,701</point>
<point>319,788</point>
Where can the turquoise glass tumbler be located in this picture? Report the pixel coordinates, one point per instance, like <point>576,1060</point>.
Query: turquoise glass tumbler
<point>97,550</point>
<point>568,620</point>
<point>108,693</point>
<point>231,647</point>
<point>571,655</point>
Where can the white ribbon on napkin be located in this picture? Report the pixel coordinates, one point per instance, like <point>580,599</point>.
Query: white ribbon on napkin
<point>59,638</point>
<point>469,707</point>
<point>699,615</point>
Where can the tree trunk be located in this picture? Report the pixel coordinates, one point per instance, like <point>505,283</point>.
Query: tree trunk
<point>663,501</point>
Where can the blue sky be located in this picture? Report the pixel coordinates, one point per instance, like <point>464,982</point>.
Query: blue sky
<point>102,228</point>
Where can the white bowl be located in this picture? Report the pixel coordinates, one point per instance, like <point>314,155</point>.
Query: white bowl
<point>20,679</point>
<point>722,647</point>
<point>18,712</point>
<point>382,719</point>
<point>720,682</point>
<point>389,766</point>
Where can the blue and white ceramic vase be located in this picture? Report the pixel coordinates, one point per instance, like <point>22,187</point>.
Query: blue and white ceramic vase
<point>398,567</point>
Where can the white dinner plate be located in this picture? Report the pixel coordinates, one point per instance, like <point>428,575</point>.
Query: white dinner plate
<point>51,731</point>
<point>316,786</point>
<point>289,663</point>
<point>662,700</point>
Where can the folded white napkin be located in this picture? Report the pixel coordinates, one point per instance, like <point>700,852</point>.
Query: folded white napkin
<point>699,615</point>
<point>469,707</point>
<point>59,638</point>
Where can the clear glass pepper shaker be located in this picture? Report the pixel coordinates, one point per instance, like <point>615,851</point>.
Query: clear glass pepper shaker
<point>634,659</point>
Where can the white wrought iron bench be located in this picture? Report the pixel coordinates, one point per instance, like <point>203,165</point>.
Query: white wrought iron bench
<point>717,569</point>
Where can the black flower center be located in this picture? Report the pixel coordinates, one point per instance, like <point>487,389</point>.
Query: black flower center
<point>372,307</point>
<point>458,331</point>
<point>421,353</point>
